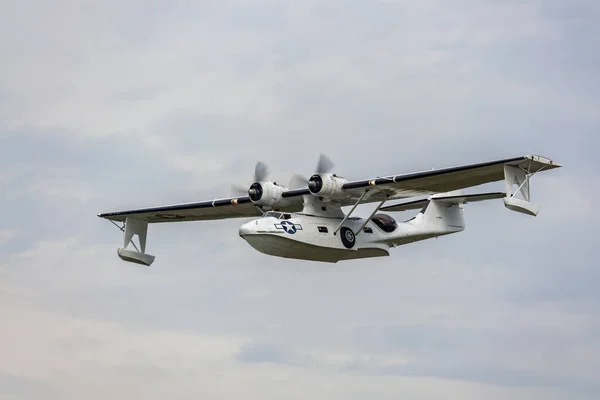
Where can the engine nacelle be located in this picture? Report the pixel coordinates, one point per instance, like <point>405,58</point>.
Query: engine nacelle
<point>326,185</point>
<point>267,194</point>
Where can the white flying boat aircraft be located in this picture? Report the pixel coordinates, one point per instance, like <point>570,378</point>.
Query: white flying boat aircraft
<point>308,223</point>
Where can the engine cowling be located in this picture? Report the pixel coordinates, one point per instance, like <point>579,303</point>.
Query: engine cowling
<point>326,185</point>
<point>266,194</point>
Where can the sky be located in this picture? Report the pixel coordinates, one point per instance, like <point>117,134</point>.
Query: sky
<point>111,105</point>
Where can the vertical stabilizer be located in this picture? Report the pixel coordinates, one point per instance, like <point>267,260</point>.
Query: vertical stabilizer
<point>444,216</point>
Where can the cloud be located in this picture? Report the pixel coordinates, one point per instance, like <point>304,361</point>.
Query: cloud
<point>71,355</point>
<point>6,235</point>
<point>117,106</point>
<point>93,352</point>
<point>14,387</point>
<point>259,353</point>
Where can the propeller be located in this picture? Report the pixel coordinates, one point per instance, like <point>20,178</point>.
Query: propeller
<point>238,191</point>
<point>324,165</point>
<point>297,181</point>
<point>261,172</point>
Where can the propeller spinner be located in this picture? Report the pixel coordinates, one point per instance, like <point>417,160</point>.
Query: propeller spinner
<point>261,173</point>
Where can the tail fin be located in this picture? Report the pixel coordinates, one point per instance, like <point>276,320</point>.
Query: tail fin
<point>444,213</point>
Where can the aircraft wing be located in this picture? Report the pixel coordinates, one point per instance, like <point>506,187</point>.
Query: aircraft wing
<point>442,180</point>
<point>416,184</point>
<point>241,207</point>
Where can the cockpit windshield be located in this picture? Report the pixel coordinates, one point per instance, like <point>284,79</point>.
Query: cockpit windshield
<point>277,215</point>
<point>272,214</point>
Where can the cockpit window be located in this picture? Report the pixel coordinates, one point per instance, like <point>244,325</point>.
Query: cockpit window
<point>272,214</point>
<point>277,215</point>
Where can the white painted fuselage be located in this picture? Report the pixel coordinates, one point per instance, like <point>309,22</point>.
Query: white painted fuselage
<point>309,237</point>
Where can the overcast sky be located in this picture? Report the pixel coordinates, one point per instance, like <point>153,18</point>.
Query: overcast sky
<point>110,105</point>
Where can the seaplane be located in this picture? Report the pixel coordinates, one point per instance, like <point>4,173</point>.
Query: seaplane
<point>307,221</point>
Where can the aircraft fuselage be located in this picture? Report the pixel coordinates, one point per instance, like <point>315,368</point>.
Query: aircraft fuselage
<point>308,237</point>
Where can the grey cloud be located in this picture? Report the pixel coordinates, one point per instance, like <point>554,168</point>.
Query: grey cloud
<point>487,356</point>
<point>21,388</point>
<point>139,118</point>
<point>263,353</point>
<point>509,377</point>
<point>459,354</point>
<point>514,377</point>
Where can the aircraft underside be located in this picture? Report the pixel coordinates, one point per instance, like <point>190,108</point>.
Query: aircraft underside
<point>279,246</point>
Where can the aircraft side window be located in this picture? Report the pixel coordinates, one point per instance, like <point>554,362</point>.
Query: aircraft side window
<point>286,216</point>
<point>385,222</point>
<point>323,229</point>
<point>367,229</point>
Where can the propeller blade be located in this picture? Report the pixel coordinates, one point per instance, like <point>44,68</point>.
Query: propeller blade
<point>298,181</point>
<point>261,171</point>
<point>324,165</point>
<point>238,191</point>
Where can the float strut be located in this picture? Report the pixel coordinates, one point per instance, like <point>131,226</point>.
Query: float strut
<point>371,216</point>
<point>362,196</point>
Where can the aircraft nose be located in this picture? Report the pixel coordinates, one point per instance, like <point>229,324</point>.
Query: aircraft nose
<point>244,230</point>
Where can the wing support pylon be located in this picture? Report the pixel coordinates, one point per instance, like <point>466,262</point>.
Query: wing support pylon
<point>371,216</point>
<point>134,226</point>
<point>362,196</point>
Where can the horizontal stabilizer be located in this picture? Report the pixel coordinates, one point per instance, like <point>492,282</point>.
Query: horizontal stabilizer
<point>453,199</point>
<point>410,205</point>
<point>470,198</point>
